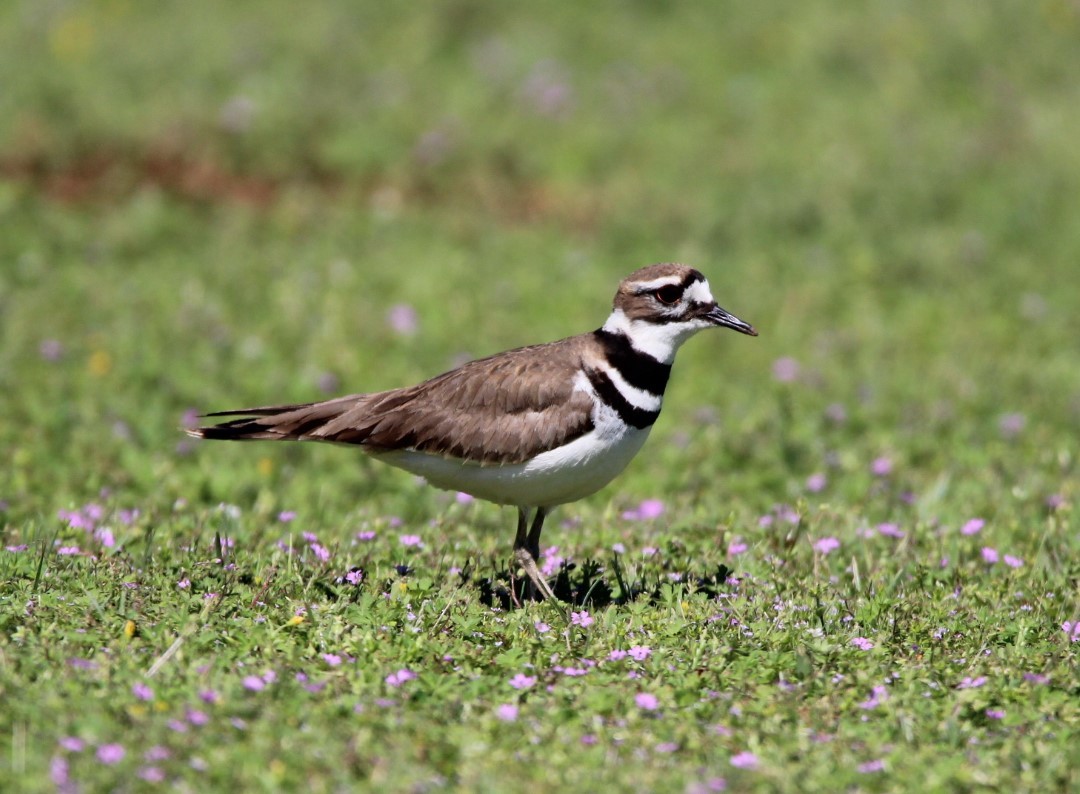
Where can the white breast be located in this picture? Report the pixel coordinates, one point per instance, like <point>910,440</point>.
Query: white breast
<point>564,474</point>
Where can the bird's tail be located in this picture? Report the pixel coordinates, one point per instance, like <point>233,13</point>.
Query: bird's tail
<point>276,422</point>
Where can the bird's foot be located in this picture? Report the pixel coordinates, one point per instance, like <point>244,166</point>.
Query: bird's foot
<point>525,558</point>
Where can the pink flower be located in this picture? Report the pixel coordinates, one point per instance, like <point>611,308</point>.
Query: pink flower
<point>400,677</point>
<point>745,760</point>
<point>786,369</point>
<point>872,766</point>
<point>647,510</point>
<point>736,547</point>
<point>826,545</point>
<point>1072,630</point>
<point>411,540</point>
<point>646,701</point>
<point>463,498</point>
<point>110,754</point>
<point>142,691</point>
<point>972,683</point>
<point>816,483</point>
<point>541,627</point>
<point>285,516</point>
<point>862,643</point>
<point>253,683</point>
<point>402,319</point>
<point>331,659</point>
<point>639,653</point>
<point>184,583</point>
<point>616,656</point>
<point>890,530</point>
<point>995,714</point>
<point>989,555</point>
<point>582,618</point>
<point>522,681</point>
<point>972,527</point>
<point>1013,562</point>
<point>881,467</point>
<point>878,695</point>
<point>365,534</point>
<point>507,712</point>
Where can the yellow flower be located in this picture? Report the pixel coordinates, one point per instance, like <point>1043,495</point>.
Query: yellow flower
<point>72,38</point>
<point>129,629</point>
<point>100,363</point>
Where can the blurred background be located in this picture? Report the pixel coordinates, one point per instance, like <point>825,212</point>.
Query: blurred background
<point>210,205</point>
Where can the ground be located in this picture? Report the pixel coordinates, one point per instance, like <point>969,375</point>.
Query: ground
<point>845,560</point>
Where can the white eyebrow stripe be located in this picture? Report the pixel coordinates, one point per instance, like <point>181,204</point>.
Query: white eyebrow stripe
<point>699,292</point>
<point>666,281</point>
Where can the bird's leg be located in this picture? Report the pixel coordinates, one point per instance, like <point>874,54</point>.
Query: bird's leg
<point>534,532</point>
<point>527,549</point>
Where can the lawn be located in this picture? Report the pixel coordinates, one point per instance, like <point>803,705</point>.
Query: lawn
<point>847,558</point>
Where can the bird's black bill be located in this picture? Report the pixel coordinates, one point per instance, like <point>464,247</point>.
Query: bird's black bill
<point>725,319</point>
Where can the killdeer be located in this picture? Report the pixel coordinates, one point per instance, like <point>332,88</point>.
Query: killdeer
<point>534,427</point>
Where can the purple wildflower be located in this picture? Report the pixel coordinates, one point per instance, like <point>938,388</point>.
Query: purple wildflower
<point>541,627</point>
<point>507,712</point>
<point>972,683</point>
<point>878,695</point>
<point>51,349</point>
<point>285,516</point>
<point>972,526</point>
<point>736,547</point>
<point>411,540</point>
<point>881,467</point>
<point>1013,562</point>
<point>582,618</point>
<point>197,717</point>
<point>110,754</point>
<point>877,765</point>
<point>73,744</point>
<point>142,691</point>
<point>365,534</point>
<point>402,319</point>
<point>995,714</point>
<point>331,659</point>
<point>744,760</point>
<point>522,681</point>
<point>58,772</point>
<point>156,753</point>
<point>639,653</point>
<point>354,577</point>
<point>1012,425</point>
<point>647,510</point>
<point>890,530</point>
<point>826,545</point>
<point>1072,631</point>
<point>463,498</point>
<point>400,677</point>
<point>989,555</point>
<point>152,774</point>
<point>646,701</point>
<point>786,369</point>
<point>253,683</point>
<point>816,483</point>
<point>862,643</point>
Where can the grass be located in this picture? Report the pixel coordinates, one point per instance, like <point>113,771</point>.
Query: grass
<point>863,575</point>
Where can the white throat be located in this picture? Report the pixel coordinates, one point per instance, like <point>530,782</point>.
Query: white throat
<point>659,340</point>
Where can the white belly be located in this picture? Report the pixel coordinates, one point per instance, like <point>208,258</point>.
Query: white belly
<point>556,477</point>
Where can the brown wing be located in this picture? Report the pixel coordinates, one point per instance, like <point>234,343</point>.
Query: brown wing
<point>503,409</point>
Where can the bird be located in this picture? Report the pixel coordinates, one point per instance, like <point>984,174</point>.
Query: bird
<point>534,427</point>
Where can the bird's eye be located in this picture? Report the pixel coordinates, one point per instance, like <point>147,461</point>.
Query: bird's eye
<point>668,295</point>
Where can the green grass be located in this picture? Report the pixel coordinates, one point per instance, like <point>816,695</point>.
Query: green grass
<point>206,206</point>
